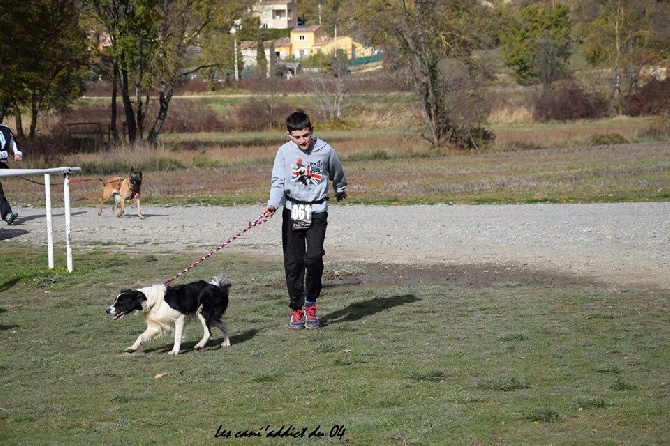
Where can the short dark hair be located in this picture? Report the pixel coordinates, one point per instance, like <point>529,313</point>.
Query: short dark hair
<point>298,120</point>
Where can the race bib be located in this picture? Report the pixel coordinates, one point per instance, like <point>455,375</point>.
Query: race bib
<point>301,216</point>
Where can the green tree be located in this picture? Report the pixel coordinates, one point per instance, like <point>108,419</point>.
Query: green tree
<point>149,43</point>
<point>536,43</point>
<point>12,57</point>
<point>217,57</point>
<point>43,56</point>
<point>624,36</point>
<point>261,59</point>
<point>433,42</point>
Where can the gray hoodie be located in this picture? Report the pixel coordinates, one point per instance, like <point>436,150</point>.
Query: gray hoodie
<point>304,176</point>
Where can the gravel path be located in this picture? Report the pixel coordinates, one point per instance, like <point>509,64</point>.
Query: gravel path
<point>626,244</point>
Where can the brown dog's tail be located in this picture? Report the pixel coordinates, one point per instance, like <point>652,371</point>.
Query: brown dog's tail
<point>116,180</point>
<point>81,180</point>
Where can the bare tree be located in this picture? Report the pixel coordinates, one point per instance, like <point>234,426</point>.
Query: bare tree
<point>149,42</point>
<point>624,35</point>
<point>428,39</point>
<point>330,87</point>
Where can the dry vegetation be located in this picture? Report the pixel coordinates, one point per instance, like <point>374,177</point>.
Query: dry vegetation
<point>398,169</point>
<point>201,159</point>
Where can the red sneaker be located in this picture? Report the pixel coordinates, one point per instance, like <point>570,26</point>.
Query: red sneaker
<point>311,321</point>
<point>297,322</point>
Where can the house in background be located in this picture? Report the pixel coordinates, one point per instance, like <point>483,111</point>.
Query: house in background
<point>283,48</point>
<point>305,41</point>
<point>248,49</point>
<point>349,46</point>
<point>311,40</point>
<point>276,14</point>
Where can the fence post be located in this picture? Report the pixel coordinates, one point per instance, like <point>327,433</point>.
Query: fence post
<point>68,226</point>
<point>66,171</point>
<point>50,235</point>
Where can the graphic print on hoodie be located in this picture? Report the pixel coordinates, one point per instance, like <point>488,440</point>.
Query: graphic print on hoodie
<point>309,174</point>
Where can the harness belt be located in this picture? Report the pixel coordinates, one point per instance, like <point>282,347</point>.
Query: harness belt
<point>293,200</point>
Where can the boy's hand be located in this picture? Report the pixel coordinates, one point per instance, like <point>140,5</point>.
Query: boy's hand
<point>268,211</point>
<point>341,196</point>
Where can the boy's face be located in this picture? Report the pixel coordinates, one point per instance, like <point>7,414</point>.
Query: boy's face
<point>303,138</point>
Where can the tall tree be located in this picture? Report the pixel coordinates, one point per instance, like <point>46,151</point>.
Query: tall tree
<point>434,42</point>
<point>536,42</point>
<point>624,36</point>
<point>149,42</point>
<point>43,56</point>
<point>262,62</point>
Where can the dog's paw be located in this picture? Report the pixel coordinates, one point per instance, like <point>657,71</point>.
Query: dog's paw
<point>130,350</point>
<point>225,343</point>
<point>173,352</point>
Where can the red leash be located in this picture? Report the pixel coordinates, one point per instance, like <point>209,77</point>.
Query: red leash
<point>259,221</point>
<point>83,180</point>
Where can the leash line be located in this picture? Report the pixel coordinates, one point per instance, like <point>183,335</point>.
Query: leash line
<point>259,221</point>
<point>72,181</point>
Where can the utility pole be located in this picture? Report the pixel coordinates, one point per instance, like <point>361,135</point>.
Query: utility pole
<point>233,31</point>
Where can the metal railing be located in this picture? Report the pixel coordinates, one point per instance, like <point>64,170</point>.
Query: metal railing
<point>66,171</point>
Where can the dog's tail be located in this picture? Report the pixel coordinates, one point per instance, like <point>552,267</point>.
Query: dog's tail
<point>110,180</point>
<point>221,282</point>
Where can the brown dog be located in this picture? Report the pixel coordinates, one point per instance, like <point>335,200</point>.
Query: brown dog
<point>122,189</point>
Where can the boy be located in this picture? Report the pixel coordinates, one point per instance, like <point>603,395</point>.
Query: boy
<point>302,168</point>
<point>7,143</point>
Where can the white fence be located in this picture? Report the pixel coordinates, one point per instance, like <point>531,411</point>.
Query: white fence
<point>66,171</point>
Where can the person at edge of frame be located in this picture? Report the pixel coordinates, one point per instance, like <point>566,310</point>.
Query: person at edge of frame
<point>7,142</point>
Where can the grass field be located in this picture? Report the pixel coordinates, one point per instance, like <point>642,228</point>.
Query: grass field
<point>518,363</point>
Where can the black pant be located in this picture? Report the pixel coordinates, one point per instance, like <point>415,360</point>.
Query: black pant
<point>5,208</point>
<point>303,258</point>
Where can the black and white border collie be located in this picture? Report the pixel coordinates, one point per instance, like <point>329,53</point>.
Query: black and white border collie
<point>170,308</point>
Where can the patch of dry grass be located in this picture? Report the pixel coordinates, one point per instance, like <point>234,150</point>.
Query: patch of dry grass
<point>627,172</point>
<point>574,133</point>
<point>554,163</point>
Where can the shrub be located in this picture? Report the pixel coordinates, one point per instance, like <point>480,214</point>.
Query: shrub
<point>657,131</point>
<point>608,139</point>
<point>566,101</point>
<point>650,99</point>
<point>183,116</point>
<point>46,150</point>
<point>261,114</point>
<point>186,116</point>
<point>471,138</point>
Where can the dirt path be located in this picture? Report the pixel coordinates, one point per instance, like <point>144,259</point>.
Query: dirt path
<point>618,245</point>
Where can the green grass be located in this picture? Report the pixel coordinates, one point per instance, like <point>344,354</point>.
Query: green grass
<point>392,365</point>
